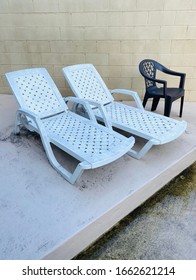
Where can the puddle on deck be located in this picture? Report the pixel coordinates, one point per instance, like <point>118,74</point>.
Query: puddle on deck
<point>164,227</point>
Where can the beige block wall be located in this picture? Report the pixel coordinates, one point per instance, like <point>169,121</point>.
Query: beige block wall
<point>114,35</point>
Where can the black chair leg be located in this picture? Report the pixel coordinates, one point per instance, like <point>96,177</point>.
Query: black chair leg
<point>145,101</point>
<point>181,106</point>
<point>155,103</point>
<point>167,109</point>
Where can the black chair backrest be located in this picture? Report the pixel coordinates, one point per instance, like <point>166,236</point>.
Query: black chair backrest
<point>148,68</point>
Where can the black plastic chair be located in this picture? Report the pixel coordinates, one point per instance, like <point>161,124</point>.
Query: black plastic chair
<point>148,69</point>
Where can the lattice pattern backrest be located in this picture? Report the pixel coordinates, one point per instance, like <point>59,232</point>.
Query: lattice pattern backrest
<point>87,83</point>
<point>35,91</point>
<point>150,71</point>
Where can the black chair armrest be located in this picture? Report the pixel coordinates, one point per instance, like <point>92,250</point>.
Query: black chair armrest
<point>174,73</point>
<point>164,83</point>
<point>156,80</point>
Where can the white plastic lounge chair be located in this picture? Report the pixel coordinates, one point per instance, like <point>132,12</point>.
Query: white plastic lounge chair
<point>86,83</point>
<point>43,110</point>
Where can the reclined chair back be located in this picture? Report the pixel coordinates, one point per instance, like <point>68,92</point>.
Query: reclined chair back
<point>86,83</point>
<point>34,93</point>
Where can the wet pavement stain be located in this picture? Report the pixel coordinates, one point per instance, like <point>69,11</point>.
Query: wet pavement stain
<point>164,227</point>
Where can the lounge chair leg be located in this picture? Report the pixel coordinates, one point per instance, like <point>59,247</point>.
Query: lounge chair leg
<point>17,123</point>
<point>139,154</point>
<point>70,177</point>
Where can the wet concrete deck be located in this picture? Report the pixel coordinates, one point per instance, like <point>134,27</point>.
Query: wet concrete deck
<point>43,216</point>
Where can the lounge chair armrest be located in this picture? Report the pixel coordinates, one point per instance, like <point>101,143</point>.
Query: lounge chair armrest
<point>28,113</point>
<point>86,103</point>
<point>101,108</point>
<point>132,94</point>
<point>31,116</point>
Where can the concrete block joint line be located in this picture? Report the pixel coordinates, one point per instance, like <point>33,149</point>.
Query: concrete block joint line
<point>113,36</point>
